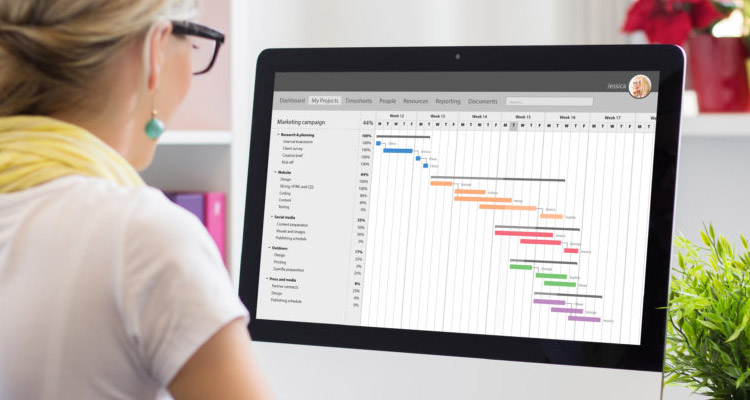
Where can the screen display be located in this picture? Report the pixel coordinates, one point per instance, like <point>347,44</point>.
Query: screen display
<point>492,203</point>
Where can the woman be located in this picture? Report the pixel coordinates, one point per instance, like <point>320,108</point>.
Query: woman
<point>107,290</point>
<point>640,86</point>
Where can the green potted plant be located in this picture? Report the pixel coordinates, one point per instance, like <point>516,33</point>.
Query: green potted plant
<point>708,331</point>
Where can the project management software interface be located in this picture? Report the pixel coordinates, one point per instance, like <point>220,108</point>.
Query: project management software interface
<point>521,213</point>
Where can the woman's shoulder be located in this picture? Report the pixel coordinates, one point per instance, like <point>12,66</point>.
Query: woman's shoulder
<point>153,232</point>
<point>146,210</point>
<point>83,190</point>
<point>139,210</point>
<point>140,221</point>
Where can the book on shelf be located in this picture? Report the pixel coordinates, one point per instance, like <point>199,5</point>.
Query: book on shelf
<point>214,210</point>
<point>193,202</point>
<point>210,209</point>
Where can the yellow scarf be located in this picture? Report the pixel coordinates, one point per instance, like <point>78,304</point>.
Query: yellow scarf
<point>35,150</point>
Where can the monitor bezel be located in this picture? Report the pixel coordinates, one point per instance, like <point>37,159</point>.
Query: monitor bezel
<point>668,60</point>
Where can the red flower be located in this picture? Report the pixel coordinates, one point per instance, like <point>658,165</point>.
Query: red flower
<point>704,14</point>
<point>670,21</point>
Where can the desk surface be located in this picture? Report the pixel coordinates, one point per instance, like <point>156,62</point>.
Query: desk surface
<point>680,393</point>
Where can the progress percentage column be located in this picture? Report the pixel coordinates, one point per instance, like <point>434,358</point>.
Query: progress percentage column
<point>362,209</point>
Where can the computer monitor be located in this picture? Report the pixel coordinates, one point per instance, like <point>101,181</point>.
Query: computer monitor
<point>471,222</point>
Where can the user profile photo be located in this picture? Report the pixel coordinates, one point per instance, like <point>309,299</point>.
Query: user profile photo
<point>640,86</point>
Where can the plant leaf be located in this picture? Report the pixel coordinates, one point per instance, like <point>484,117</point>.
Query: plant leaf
<point>739,329</point>
<point>742,378</point>
<point>715,318</point>
<point>708,333</point>
<point>707,324</point>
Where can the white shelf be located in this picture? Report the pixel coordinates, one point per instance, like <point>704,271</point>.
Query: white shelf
<point>717,125</point>
<point>180,137</point>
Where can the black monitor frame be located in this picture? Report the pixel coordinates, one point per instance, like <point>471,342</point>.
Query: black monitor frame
<point>648,356</point>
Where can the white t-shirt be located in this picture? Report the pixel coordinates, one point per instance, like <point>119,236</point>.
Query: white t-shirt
<point>105,291</point>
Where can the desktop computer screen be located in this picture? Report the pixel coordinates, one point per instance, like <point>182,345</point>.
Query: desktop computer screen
<point>479,212</point>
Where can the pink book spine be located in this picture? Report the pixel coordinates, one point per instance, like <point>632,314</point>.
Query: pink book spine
<point>215,211</point>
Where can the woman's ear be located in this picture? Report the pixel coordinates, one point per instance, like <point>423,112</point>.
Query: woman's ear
<point>156,40</point>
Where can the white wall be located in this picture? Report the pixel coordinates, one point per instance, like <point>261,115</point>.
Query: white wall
<point>304,23</point>
<point>713,187</point>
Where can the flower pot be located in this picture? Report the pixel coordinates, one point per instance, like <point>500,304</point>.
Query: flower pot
<point>719,74</point>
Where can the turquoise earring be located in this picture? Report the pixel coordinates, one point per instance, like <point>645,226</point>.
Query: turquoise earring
<point>155,127</point>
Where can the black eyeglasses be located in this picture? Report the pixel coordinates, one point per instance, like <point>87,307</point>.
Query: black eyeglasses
<point>206,44</point>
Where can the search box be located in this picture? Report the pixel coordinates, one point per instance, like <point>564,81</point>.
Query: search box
<point>550,101</point>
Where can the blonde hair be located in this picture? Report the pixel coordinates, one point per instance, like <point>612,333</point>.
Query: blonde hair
<point>51,51</point>
<point>645,85</point>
